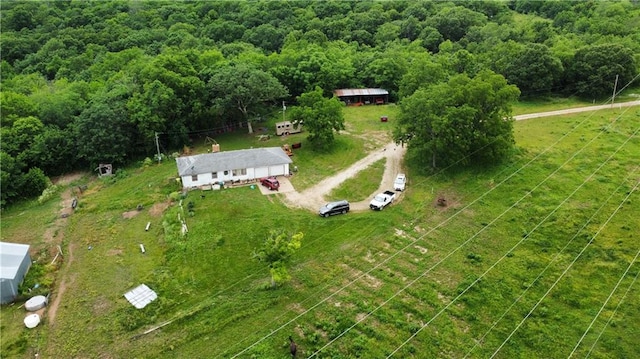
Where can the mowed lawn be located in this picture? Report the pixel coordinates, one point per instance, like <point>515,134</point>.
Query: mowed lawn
<point>530,258</point>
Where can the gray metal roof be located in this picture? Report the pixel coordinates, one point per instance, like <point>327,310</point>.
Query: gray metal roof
<point>11,256</point>
<point>360,92</point>
<point>231,160</point>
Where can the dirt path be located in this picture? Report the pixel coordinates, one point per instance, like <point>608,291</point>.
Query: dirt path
<point>52,308</point>
<point>314,197</point>
<point>54,236</point>
<point>311,198</point>
<point>576,110</point>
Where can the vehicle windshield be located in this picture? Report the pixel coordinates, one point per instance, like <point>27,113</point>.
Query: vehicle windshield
<point>379,198</point>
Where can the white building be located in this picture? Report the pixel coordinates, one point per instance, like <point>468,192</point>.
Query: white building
<point>232,166</point>
<point>14,264</point>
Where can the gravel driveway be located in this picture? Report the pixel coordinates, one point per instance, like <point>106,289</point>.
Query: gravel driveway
<point>313,198</point>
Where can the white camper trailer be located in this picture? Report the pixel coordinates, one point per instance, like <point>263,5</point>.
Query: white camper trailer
<point>286,128</point>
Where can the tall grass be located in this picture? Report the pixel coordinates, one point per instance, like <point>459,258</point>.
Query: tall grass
<point>363,283</point>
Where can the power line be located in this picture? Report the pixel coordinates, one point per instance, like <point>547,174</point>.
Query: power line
<point>516,245</point>
<point>412,243</point>
<point>565,271</point>
<point>614,313</point>
<point>556,257</point>
<point>604,304</point>
<point>451,253</point>
<point>573,129</point>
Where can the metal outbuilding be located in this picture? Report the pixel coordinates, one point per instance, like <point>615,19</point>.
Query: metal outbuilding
<point>359,97</point>
<point>15,262</point>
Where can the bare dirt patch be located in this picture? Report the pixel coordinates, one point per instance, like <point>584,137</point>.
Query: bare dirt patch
<point>130,214</point>
<point>444,201</point>
<point>101,306</point>
<point>57,295</point>
<point>158,208</point>
<point>421,249</point>
<point>54,237</point>
<point>115,252</point>
<point>68,178</point>
<point>372,281</point>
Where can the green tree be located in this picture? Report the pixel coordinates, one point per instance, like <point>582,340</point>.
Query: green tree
<point>54,150</point>
<point>320,115</point>
<point>103,135</point>
<point>177,71</point>
<point>14,106</point>
<point>466,120</point>
<point>18,138</point>
<point>276,252</point>
<point>149,110</point>
<point>266,37</point>
<point>385,70</point>
<point>534,70</point>
<point>245,89</point>
<point>430,38</point>
<point>224,31</point>
<point>33,183</point>
<point>594,68</point>
<point>454,22</point>
<point>10,179</point>
<point>423,71</point>
<point>59,103</point>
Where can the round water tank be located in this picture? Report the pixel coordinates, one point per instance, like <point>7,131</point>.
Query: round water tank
<point>32,320</point>
<point>35,303</point>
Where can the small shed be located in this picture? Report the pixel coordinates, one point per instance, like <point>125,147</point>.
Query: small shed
<point>15,262</point>
<point>357,97</point>
<point>104,169</point>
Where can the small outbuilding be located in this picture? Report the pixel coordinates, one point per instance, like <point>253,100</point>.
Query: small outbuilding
<point>358,97</point>
<point>15,262</point>
<point>232,166</point>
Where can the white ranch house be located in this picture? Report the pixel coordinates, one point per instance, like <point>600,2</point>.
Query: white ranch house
<point>232,166</point>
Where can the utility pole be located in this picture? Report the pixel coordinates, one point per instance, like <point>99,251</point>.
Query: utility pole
<point>284,108</point>
<point>615,86</point>
<point>158,148</point>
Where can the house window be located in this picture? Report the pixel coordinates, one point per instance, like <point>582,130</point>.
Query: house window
<point>214,175</point>
<point>194,177</point>
<point>226,173</point>
<point>240,172</point>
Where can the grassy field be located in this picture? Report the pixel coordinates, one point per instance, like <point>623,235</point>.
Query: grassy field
<point>529,258</point>
<point>525,106</point>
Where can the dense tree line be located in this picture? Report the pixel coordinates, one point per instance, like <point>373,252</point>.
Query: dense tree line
<point>90,82</point>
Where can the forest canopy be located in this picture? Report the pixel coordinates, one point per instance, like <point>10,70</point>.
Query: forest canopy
<point>89,82</point>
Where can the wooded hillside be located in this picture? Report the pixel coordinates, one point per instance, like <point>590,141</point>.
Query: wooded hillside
<point>95,82</point>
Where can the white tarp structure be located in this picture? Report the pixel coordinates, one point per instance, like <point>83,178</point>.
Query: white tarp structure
<point>140,296</point>
<point>14,264</point>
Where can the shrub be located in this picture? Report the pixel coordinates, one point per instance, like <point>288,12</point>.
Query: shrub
<point>48,193</point>
<point>34,182</point>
